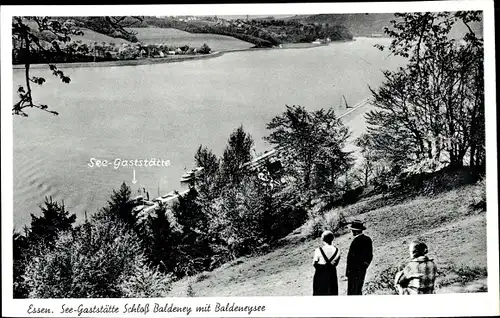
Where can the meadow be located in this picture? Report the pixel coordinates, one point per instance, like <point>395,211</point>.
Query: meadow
<point>177,37</point>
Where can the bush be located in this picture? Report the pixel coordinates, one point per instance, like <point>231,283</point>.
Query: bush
<point>436,182</point>
<point>20,245</point>
<point>479,196</point>
<point>99,259</point>
<point>334,221</point>
<point>383,284</point>
<point>145,282</point>
<point>204,49</point>
<point>352,196</point>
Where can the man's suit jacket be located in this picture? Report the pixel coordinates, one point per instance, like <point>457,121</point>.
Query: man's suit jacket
<point>360,255</point>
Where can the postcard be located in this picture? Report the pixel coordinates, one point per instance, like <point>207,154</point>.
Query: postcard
<point>249,160</point>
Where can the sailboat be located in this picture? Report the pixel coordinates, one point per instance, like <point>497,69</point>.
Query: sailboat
<point>345,102</point>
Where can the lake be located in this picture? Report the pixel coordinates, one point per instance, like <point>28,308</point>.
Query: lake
<point>166,111</point>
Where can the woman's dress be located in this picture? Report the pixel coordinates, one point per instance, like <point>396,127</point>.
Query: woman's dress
<point>325,277</point>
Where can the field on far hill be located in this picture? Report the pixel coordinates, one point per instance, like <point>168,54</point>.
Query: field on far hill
<point>172,36</point>
<point>90,36</point>
<point>455,234</point>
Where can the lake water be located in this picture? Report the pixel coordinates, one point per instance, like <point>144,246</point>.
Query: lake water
<point>166,111</point>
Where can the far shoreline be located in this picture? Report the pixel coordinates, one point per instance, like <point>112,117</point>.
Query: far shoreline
<point>163,60</point>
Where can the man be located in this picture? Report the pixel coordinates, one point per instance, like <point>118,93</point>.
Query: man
<point>419,274</point>
<point>358,259</point>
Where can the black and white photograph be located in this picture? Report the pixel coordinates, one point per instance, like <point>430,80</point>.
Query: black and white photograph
<point>247,153</point>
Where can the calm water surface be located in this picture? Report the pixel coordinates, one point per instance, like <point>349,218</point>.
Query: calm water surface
<point>166,111</point>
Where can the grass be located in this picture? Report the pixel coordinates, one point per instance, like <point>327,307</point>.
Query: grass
<point>172,36</point>
<point>455,234</point>
<point>169,36</point>
<point>90,36</point>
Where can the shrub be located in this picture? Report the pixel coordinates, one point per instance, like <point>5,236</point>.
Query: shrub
<point>436,182</point>
<point>20,245</point>
<point>334,221</point>
<point>479,196</point>
<point>204,49</point>
<point>383,283</point>
<point>100,259</point>
<point>145,282</point>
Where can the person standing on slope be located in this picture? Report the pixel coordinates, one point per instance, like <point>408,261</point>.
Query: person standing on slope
<point>325,262</point>
<point>358,259</point>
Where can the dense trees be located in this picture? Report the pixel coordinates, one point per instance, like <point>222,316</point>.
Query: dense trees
<point>430,113</point>
<point>102,257</point>
<point>312,144</point>
<point>39,236</point>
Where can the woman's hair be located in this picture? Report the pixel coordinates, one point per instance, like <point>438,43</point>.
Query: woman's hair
<point>418,248</point>
<point>327,237</point>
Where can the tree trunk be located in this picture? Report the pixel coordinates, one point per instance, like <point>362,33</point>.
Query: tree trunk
<point>472,160</point>
<point>366,175</point>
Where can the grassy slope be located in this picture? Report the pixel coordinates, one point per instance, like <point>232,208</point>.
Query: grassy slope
<point>177,37</point>
<point>90,36</point>
<point>165,35</point>
<point>455,235</point>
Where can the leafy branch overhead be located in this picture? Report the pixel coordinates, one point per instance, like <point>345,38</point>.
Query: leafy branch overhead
<point>43,38</point>
<point>430,113</point>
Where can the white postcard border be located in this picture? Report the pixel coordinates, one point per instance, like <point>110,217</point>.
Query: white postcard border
<point>432,305</point>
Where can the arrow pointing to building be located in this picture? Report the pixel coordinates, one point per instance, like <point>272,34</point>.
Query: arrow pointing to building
<point>133,180</point>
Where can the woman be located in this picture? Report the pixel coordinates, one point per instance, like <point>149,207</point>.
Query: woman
<point>419,274</point>
<point>326,259</point>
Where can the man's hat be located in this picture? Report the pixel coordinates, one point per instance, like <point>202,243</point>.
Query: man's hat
<point>357,225</point>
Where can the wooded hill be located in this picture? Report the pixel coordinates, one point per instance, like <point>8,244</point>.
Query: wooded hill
<point>261,33</point>
<point>359,24</point>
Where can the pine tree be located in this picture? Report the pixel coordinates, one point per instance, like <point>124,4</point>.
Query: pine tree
<point>119,207</point>
<point>44,229</point>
